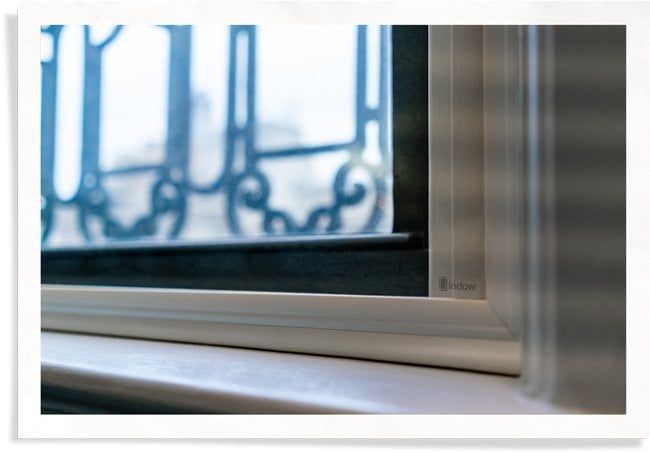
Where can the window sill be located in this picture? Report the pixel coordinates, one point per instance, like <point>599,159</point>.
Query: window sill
<point>120,375</point>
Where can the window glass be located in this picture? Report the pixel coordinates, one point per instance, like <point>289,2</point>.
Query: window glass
<point>209,132</point>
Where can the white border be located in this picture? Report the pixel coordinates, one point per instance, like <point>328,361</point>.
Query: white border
<point>637,18</point>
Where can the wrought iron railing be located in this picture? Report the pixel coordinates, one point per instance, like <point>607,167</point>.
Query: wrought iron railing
<point>245,186</point>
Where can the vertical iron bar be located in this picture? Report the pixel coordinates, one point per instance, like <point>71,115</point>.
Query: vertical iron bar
<point>90,127</point>
<point>48,111</point>
<point>91,108</point>
<point>179,101</point>
<point>90,141</point>
<point>249,133</point>
<point>361,109</point>
<point>179,117</point>
<point>49,70</point>
<point>231,124</point>
<point>384,93</point>
<point>232,128</point>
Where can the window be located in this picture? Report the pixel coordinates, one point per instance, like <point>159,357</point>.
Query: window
<point>242,157</point>
<point>372,291</point>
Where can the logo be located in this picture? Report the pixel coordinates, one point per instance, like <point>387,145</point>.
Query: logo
<point>442,283</point>
<point>445,285</point>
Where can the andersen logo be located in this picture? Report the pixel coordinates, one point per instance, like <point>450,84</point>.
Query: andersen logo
<point>445,285</point>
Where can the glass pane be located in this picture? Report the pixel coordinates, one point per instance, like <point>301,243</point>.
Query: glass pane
<point>133,91</point>
<point>164,133</point>
<point>319,110</point>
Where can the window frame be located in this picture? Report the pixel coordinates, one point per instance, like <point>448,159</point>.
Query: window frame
<point>479,333</point>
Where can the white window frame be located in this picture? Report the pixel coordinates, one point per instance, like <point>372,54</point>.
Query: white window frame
<point>475,229</point>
